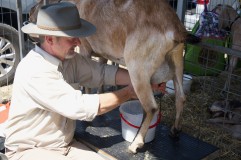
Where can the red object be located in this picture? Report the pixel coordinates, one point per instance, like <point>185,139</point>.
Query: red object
<point>4,112</point>
<point>202,1</point>
<point>137,127</point>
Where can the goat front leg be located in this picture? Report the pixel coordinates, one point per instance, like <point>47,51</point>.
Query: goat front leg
<point>143,57</point>
<point>144,92</point>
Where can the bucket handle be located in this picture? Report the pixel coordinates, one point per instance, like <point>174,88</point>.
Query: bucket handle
<point>134,126</point>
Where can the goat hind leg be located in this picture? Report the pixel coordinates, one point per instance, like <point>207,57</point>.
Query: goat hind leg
<point>177,59</point>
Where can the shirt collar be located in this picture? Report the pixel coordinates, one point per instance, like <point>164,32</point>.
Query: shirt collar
<point>53,60</point>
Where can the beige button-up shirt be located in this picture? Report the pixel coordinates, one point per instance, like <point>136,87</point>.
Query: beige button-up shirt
<point>44,105</point>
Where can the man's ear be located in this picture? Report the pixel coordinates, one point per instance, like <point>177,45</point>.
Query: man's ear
<point>49,39</point>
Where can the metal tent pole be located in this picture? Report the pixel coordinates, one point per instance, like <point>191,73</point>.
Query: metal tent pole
<point>181,8</point>
<point>20,23</point>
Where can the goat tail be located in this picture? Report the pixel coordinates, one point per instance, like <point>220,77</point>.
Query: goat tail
<point>192,39</point>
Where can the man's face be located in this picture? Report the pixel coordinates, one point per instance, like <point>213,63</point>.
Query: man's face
<point>64,47</point>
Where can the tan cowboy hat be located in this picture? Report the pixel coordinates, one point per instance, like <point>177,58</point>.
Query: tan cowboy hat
<point>60,19</point>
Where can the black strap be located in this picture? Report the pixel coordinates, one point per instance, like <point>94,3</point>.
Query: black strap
<point>231,24</point>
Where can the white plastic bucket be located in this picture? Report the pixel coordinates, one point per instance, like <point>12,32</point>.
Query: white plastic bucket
<point>131,113</point>
<point>187,82</point>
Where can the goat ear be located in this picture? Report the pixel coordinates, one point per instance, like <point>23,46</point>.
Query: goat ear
<point>221,22</point>
<point>232,13</point>
<point>223,19</point>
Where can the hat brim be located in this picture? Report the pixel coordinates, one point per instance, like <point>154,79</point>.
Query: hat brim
<point>85,30</point>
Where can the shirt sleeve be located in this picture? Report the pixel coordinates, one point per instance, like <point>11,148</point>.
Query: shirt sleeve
<point>52,93</point>
<point>88,72</point>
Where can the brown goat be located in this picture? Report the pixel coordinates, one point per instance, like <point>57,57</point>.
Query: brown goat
<point>230,20</point>
<point>148,38</point>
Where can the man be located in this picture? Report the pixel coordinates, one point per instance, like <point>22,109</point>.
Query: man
<point>44,105</point>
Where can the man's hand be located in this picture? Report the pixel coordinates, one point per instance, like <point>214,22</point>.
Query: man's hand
<point>131,92</point>
<point>155,87</point>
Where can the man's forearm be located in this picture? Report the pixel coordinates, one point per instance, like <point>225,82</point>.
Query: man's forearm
<point>109,101</point>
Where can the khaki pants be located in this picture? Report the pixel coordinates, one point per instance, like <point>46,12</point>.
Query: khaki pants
<point>77,151</point>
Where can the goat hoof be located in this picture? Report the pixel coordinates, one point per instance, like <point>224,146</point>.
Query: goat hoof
<point>174,133</point>
<point>131,149</point>
<point>134,146</point>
